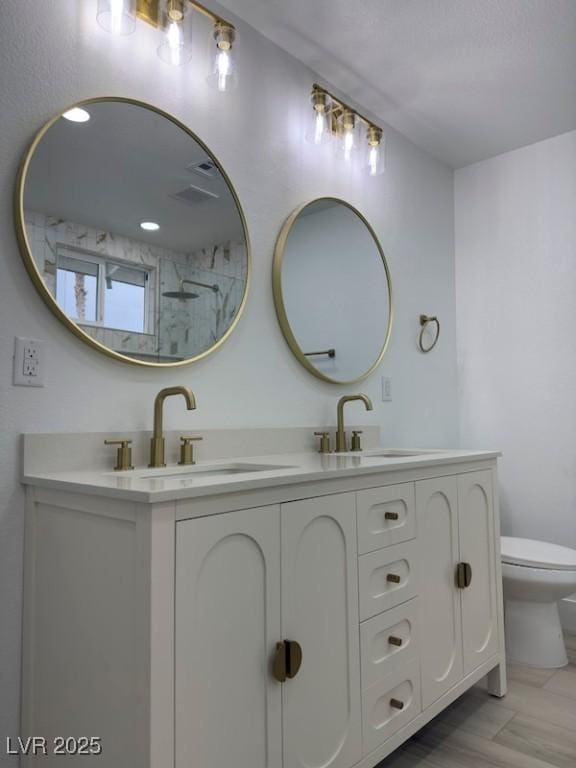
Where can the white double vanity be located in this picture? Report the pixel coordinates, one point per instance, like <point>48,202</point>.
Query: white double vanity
<point>290,609</point>
<point>269,606</point>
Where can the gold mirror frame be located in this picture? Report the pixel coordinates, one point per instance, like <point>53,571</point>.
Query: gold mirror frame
<point>279,297</point>
<point>26,251</point>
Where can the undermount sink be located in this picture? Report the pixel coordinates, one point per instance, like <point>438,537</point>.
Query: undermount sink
<point>396,454</point>
<point>200,471</point>
<point>385,453</point>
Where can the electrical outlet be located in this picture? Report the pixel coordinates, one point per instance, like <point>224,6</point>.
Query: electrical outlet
<point>386,389</point>
<point>28,363</point>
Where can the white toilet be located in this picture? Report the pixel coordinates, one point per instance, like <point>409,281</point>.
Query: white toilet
<point>536,575</point>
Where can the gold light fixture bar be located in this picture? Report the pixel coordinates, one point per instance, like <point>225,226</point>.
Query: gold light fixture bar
<point>149,11</point>
<point>319,94</point>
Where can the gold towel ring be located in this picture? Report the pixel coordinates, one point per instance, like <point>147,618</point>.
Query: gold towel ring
<point>424,320</point>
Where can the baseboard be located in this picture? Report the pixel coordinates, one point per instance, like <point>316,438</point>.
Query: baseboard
<point>568,614</point>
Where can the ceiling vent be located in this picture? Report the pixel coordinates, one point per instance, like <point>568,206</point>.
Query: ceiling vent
<point>194,195</point>
<point>206,168</point>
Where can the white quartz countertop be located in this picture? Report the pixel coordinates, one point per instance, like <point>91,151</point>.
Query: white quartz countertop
<point>247,473</point>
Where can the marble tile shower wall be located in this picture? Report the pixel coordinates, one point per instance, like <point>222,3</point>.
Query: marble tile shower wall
<point>187,328</point>
<point>178,329</point>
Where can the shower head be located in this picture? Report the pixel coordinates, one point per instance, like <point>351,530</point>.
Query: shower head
<point>182,295</point>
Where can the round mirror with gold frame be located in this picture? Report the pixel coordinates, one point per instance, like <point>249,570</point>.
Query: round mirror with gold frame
<point>332,291</point>
<point>132,232</point>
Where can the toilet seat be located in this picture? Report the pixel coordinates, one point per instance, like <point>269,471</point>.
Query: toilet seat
<point>537,554</point>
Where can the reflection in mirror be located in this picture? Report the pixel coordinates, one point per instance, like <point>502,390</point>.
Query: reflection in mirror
<point>332,291</point>
<point>134,233</point>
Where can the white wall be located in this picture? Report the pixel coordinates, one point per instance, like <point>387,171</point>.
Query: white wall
<point>52,54</point>
<point>516,315</point>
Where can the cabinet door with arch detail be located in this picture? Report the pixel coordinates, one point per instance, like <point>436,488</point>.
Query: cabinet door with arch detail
<point>477,544</point>
<point>321,704</point>
<point>228,705</point>
<point>440,609</point>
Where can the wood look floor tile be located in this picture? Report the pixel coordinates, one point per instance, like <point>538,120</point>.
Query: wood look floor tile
<point>407,756</point>
<point>537,738</point>
<point>571,648</point>
<point>537,703</point>
<point>447,747</point>
<point>528,675</point>
<point>480,716</point>
<point>563,681</point>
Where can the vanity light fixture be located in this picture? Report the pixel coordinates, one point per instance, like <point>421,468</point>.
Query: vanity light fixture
<point>173,19</point>
<point>150,226</point>
<point>77,115</point>
<point>334,119</point>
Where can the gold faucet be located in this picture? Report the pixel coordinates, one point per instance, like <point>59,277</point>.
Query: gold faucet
<point>157,441</point>
<point>340,434</point>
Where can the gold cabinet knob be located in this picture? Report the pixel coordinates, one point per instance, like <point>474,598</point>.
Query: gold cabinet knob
<point>324,442</point>
<point>395,640</point>
<point>391,515</point>
<point>396,703</point>
<point>356,443</point>
<point>463,575</point>
<point>287,660</point>
<point>393,578</point>
<point>123,454</point>
<point>187,450</point>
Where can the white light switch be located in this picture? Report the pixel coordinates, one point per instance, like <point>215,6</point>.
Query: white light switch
<point>28,363</point>
<point>386,389</point>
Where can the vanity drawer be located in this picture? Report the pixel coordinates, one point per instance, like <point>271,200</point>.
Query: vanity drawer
<point>386,516</point>
<point>390,704</point>
<point>387,578</point>
<point>388,641</point>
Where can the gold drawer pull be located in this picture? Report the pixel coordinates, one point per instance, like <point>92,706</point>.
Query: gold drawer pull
<point>396,703</point>
<point>395,640</point>
<point>391,515</point>
<point>394,578</point>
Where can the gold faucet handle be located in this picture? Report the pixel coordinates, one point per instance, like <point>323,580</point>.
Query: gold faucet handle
<point>324,442</point>
<point>123,455</point>
<point>356,443</point>
<point>187,450</point>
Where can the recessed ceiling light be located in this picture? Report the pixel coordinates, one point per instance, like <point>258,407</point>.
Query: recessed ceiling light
<point>150,226</point>
<point>77,115</point>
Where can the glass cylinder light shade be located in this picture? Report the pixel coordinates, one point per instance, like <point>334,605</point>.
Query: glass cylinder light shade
<point>375,151</point>
<point>176,46</point>
<point>319,128</point>
<point>117,16</point>
<point>223,73</point>
<point>348,130</point>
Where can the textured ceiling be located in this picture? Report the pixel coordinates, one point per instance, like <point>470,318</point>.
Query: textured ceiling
<point>464,79</point>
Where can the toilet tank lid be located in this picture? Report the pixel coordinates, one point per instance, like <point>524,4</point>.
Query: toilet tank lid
<point>537,554</point>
